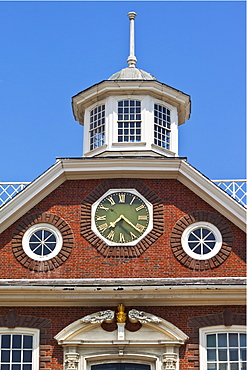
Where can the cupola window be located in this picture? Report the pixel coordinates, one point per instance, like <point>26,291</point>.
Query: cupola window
<point>97,127</point>
<point>162,126</point>
<point>129,121</point>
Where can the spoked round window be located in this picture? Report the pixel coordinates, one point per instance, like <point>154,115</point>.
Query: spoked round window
<point>42,242</point>
<point>201,240</point>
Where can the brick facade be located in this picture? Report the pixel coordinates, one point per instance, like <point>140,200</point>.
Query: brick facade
<point>53,319</point>
<point>68,208</point>
<point>189,219</point>
<point>158,261</point>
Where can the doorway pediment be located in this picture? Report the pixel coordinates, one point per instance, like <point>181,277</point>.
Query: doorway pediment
<point>88,331</point>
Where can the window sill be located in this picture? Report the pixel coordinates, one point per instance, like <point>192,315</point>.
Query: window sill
<point>163,149</point>
<point>134,143</point>
<point>95,151</point>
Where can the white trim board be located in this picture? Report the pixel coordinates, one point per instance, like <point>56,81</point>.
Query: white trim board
<point>102,295</point>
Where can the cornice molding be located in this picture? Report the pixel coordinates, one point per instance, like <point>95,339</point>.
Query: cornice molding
<point>233,280</point>
<point>108,87</point>
<point>107,293</point>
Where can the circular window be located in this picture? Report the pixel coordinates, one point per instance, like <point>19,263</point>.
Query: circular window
<point>42,242</point>
<point>201,240</point>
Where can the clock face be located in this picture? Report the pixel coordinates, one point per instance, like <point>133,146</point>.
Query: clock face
<point>122,217</point>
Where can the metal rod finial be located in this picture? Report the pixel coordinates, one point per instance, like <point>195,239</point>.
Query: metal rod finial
<point>132,15</point>
<point>132,59</point>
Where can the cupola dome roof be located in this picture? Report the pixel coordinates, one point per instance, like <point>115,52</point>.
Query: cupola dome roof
<point>132,73</point>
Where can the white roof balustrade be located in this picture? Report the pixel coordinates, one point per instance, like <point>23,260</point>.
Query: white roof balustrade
<point>9,189</point>
<point>237,189</point>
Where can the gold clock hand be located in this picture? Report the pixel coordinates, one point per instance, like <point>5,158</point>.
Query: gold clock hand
<point>129,222</point>
<point>113,224</point>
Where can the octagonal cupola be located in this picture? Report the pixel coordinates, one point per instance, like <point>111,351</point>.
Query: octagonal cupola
<point>131,113</point>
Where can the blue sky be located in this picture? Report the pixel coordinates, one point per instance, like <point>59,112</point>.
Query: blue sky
<point>50,51</point>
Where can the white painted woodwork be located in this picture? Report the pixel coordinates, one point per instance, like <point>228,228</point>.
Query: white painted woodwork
<point>156,344</point>
<point>151,292</point>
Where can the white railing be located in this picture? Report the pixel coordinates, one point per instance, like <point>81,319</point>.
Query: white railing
<point>9,189</point>
<point>236,188</point>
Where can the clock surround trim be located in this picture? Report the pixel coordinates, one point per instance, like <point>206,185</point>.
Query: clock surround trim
<point>123,193</point>
<point>122,251</point>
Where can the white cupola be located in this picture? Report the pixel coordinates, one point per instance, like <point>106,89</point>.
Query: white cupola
<point>131,113</point>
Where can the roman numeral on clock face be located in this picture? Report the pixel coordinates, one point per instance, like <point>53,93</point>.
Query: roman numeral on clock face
<point>132,200</point>
<point>102,207</point>
<point>121,197</point>
<point>101,218</point>
<point>144,217</point>
<point>111,200</point>
<point>141,228</point>
<point>111,234</point>
<point>133,236</point>
<point>103,227</point>
<point>121,238</point>
<point>140,207</point>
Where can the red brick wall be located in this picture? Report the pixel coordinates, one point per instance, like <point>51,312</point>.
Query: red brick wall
<point>60,317</point>
<point>157,262</point>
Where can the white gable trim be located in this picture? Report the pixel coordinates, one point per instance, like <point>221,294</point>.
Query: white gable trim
<point>96,168</point>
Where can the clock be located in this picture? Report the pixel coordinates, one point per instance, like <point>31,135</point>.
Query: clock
<point>122,217</point>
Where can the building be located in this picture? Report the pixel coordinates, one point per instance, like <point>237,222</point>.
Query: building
<point>127,258</point>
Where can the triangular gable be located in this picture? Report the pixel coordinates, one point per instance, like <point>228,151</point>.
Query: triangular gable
<point>95,168</point>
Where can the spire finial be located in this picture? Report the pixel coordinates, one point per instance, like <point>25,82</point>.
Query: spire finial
<point>132,59</point>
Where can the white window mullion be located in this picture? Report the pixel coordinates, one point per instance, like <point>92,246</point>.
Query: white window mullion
<point>194,234</point>
<point>216,349</point>
<point>129,121</point>
<point>97,127</point>
<point>31,243</point>
<point>204,348</point>
<point>31,363</point>
<point>162,126</point>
